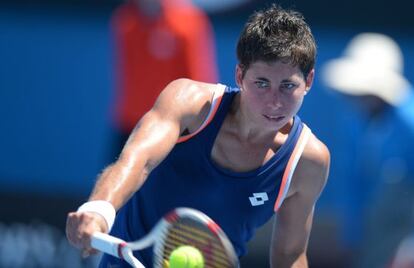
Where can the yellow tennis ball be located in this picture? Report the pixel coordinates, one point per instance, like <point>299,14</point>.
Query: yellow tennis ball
<point>186,257</point>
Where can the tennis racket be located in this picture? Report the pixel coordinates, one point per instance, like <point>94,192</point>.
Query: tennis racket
<point>182,226</point>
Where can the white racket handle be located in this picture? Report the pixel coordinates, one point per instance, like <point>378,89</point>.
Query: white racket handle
<point>114,246</point>
<point>107,243</point>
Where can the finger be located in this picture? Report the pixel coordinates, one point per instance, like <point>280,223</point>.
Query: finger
<point>73,233</point>
<point>85,253</point>
<point>88,252</point>
<point>93,251</point>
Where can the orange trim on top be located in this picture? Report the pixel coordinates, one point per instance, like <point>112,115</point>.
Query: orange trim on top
<point>289,167</point>
<point>210,117</point>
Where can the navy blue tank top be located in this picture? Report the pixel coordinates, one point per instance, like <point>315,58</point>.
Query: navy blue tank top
<point>187,177</point>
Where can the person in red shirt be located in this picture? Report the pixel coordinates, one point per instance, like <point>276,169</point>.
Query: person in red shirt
<point>157,41</point>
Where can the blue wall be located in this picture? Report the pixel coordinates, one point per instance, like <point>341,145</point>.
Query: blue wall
<point>55,88</point>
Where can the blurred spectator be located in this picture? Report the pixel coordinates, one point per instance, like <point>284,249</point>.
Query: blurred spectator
<point>370,75</point>
<point>404,258</point>
<point>156,42</point>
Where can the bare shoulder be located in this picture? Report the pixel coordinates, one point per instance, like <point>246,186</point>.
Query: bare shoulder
<point>313,168</point>
<point>316,153</point>
<point>186,100</point>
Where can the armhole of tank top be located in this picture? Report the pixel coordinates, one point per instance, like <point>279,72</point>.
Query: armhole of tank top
<point>291,166</point>
<point>215,103</point>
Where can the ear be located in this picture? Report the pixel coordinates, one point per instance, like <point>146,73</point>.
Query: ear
<point>239,76</point>
<point>309,80</point>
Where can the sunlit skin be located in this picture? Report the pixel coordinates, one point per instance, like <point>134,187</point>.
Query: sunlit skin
<point>261,116</point>
<point>272,93</point>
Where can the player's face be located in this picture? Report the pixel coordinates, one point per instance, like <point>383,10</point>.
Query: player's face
<point>272,93</point>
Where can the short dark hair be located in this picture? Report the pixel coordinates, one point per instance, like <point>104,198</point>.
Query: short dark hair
<point>277,34</point>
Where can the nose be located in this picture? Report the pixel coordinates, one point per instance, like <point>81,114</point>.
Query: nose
<point>274,101</point>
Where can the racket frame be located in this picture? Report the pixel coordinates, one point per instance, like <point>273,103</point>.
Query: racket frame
<point>124,250</point>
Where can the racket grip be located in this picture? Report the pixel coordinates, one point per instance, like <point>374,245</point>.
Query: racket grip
<point>107,244</point>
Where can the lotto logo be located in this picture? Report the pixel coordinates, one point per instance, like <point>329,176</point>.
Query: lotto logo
<point>258,199</point>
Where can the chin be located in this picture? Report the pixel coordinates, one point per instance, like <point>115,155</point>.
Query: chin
<point>278,124</point>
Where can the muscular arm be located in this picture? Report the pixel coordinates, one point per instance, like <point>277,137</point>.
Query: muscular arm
<point>293,222</point>
<point>149,143</point>
<point>181,106</point>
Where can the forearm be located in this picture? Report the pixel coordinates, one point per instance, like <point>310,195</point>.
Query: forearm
<point>301,262</point>
<point>119,181</point>
<point>289,261</point>
<point>116,184</point>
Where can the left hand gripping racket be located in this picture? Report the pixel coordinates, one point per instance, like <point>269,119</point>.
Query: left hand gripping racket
<point>182,226</point>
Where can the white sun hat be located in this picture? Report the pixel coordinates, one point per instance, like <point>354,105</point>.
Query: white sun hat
<point>372,64</point>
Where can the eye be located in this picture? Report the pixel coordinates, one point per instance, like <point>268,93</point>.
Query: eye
<point>262,84</point>
<point>288,86</point>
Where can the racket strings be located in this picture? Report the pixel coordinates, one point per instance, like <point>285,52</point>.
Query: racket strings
<point>211,249</point>
<point>187,231</point>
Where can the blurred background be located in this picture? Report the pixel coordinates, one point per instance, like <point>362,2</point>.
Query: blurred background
<point>58,80</point>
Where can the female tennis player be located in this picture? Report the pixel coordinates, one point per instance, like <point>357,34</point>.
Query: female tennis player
<point>237,154</point>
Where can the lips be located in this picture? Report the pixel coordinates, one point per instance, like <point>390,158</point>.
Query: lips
<point>274,117</point>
